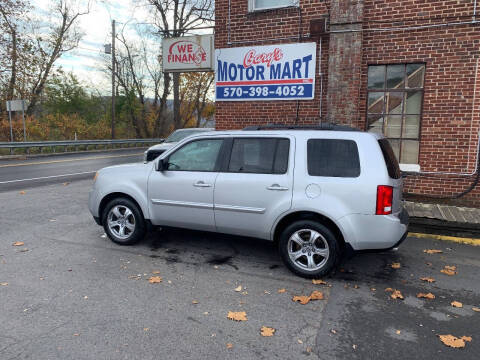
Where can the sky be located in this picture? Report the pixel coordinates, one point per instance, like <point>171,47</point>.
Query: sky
<point>87,61</point>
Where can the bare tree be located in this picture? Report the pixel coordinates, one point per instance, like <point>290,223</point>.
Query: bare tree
<point>174,18</point>
<point>63,36</point>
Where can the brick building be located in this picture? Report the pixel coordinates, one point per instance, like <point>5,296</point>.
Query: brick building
<point>406,68</point>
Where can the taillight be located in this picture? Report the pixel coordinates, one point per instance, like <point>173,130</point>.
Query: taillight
<point>384,200</point>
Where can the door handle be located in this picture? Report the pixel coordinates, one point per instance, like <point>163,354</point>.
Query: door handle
<point>201,184</point>
<point>277,187</point>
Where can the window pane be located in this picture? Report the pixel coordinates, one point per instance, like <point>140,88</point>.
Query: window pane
<point>411,126</point>
<point>413,102</point>
<point>196,156</point>
<point>375,124</point>
<point>395,76</point>
<point>395,147</point>
<point>376,77</point>
<point>261,4</point>
<point>394,103</point>
<point>415,75</point>
<point>253,156</point>
<point>375,102</point>
<point>335,158</point>
<point>409,152</point>
<point>281,158</point>
<point>393,126</point>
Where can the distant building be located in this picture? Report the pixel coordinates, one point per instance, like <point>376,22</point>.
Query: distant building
<point>408,69</point>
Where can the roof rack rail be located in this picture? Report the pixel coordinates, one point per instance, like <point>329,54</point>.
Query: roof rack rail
<point>323,126</point>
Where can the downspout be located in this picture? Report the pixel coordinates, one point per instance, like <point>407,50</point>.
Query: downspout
<point>229,42</point>
<point>474,11</point>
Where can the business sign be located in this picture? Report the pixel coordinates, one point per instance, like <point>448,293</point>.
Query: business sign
<point>16,105</point>
<point>188,53</point>
<point>274,72</point>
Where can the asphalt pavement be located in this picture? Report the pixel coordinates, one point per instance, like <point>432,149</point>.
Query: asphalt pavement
<point>70,293</point>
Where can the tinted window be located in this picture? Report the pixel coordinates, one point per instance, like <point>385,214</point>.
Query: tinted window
<point>261,156</point>
<point>182,134</point>
<point>198,155</point>
<point>331,157</point>
<point>390,159</point>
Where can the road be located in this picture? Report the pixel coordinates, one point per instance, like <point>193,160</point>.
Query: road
<point>17,174</point>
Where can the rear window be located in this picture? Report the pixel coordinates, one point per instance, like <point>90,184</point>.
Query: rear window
<point>333,158</point>
<point>390,159</point>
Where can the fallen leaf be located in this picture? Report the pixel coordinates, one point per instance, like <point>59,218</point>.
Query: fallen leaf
<point>426,296</point>
<point>466,338</point>
<point>476,309</point>
<point>449,270</point>
<point>316,295</point>
<point>281,291</point>
<point>373,289</point>
<point>24,250</point>
<point>239,288</point>
<point>319,282</point>
<point>388,289</point>
<point>396,294</point>
<point>215,266</point>
<point>333,331</point>
<point>453,268</point>
<point>300,341</point>
<point>398,332</point>
<point>155,272</point>
<point>456,304</point>
<point>66,183</point>
<point>356,286</point>
<point>354,347</point>
<point>396,266</point>
<point>237,316</point>
<point>432,251</point>
<point>245,293</point>
<point>76,334</point>
<point>155,280</point>
<point>146,329</point>
<point>452,341</point>
<point>301,299</point>
<point>427,279</point>
<point>308,349</point>
<point>267,331</point>
<point>229,345</point>
<point>267,292</point>
<point>22,192</point>
<point>194,302</point>
<point>18,243</point>
<point>3,283</point>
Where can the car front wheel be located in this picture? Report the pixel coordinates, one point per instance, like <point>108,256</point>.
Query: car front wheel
<point>123,222</point>
<point>309,249</point>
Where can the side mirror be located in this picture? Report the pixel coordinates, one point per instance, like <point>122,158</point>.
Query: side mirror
<point>161,165</point>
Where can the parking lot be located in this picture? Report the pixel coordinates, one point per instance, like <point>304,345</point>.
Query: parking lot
<point>70,293</point>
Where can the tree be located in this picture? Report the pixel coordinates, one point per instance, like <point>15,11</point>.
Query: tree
<point>174,18</point>
<point>195,89</point>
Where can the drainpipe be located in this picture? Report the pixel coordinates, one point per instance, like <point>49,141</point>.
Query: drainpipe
<point>474,11</point>
<point>229,42</point>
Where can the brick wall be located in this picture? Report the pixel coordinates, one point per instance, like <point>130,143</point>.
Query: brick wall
<point>451,119</point>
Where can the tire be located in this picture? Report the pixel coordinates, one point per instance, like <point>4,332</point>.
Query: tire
<point>315,259</point>
<point>128,220</point>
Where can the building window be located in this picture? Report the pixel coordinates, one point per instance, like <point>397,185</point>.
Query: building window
<point>394,106</point>
<point>255,5</point>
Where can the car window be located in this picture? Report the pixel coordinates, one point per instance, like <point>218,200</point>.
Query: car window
<point>200,155</point>
<point>333,157</point>
<point>180,135</point>
<point>259,155</point>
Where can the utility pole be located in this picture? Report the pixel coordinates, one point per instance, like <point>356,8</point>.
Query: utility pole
<point>113,79</point>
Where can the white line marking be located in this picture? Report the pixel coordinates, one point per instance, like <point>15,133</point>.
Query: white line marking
<point>47,177</point>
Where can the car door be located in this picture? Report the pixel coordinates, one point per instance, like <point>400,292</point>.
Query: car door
<point>181,195</point>
<point>255,186</point>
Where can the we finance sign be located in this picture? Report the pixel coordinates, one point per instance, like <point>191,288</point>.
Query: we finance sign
<point>188,53</point>
<point>274,72</point>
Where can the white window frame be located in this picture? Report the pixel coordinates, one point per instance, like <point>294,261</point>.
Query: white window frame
<point>251,6</point>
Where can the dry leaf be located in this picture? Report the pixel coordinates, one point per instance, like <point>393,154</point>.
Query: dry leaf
<point>65,183</point>
<point>427,279</point>
<point>354,347</point>
<point>388,289</point>
<point>396,266</point>
<point>356,286</point>
<point>22,192</point>
<point>452,341</point>
<point>76,334</point>
<point>281,291</point>
<point>456,304</point>
<point>373,289</point>
<point>319,282</point>
<point>449,270</point>
<point>155,272</point>
<point>18,243</point>
<point>267,331</point>
<point>146,329</point>
<point>239,288</point>
<point>433,251</point>
<point>24,250</point>
<point>452,268</point>
<point>466,338</point>
<point>426,296</point>
<point>333,331</point>
<point>316,295</point>
<point>237,316</point>
<point>396,294</point>
<point>301,299</point>
<point>229,345</point>
<point>476,309</point>
<point>3,283</point>
<point>155,280</point>
<point>300,341</point>
<point>398,332</point>
<point>194,302</point>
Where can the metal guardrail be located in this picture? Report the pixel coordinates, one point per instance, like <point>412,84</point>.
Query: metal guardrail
<point>74,143</point>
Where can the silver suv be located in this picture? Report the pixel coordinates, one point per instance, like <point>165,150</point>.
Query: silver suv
<point>316,192</point>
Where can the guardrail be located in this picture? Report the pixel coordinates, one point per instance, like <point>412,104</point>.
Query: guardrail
<point>74,143</point>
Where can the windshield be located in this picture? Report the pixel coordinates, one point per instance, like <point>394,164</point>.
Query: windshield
<point>180,135</point>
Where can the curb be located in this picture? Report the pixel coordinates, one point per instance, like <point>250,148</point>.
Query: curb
<point>459,240</point>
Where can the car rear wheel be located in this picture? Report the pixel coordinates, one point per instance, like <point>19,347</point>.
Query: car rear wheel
<point>309,249</point>
<point>123,222</point>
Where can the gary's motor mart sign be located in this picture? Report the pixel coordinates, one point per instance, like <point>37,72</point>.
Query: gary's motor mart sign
<point>273,72</point>
<point>188,53</point>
